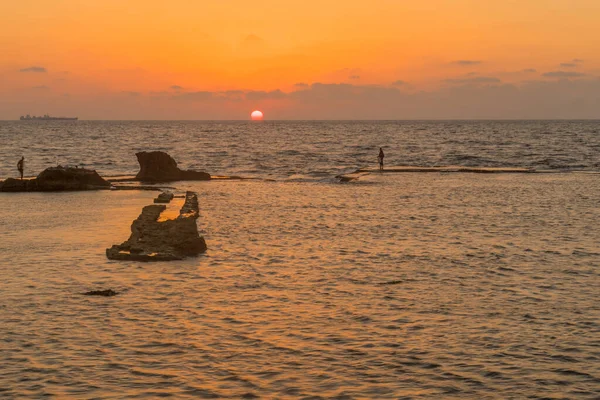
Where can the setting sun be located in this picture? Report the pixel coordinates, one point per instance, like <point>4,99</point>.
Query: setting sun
<point>257,115</point>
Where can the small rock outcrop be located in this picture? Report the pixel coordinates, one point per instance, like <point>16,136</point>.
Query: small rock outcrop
<point>168,240</point>
<point>58,179</point>
<point>158,166</point>
<point>105,293</point>
<point>164,198</point>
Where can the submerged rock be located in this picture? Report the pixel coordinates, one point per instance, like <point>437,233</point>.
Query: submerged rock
<point>158,166</point>
<point>154,240</point>
<point>58,179</point>
<point>105,293</point>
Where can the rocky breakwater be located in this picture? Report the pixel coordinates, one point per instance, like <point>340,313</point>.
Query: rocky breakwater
<point>158,166</point>
<point>57,179</point>
<point>154,239</point>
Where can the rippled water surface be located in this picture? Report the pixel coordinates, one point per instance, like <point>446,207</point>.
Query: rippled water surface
<point>409,285</point>
<point>299,150</point>
<point>424,286</point>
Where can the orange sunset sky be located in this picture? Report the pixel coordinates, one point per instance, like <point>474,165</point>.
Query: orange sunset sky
<point>378,59</point>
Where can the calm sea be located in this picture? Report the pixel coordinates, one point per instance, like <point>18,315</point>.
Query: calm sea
<point>409,285</point>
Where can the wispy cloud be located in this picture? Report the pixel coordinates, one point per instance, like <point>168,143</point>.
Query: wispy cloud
<point>529,70</point>
<point>176,87</point>
<point>568,65</point>
<point>33,69</point>
<point>563,74</point>
<point>467,63</point>
<point>354,77</point>
<point>475,80</point>
<point>301,85</point>
<point>399,83</point>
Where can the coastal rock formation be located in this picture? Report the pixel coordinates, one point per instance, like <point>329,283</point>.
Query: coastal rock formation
<point>158,166</point>
<point>18,185</point>
<point>58,179</point>
<point>154,240</point>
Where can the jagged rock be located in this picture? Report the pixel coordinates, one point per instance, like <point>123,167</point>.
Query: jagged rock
<point>158,166</point>
<point>58,179</point>
<point>153,240</point>
<point>105,293</point>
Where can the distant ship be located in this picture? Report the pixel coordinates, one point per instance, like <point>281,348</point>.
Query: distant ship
<point>46,117</point>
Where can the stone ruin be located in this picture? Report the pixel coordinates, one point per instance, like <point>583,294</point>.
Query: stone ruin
<point>155,239</point>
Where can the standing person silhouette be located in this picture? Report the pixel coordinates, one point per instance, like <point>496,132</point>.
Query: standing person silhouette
<point>21,166</point>
<point>380,158</point>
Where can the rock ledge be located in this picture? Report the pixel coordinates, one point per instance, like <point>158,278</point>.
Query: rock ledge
<point>56,179</point>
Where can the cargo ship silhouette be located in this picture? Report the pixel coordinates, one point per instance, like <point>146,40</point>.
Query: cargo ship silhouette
<point>46,117</point>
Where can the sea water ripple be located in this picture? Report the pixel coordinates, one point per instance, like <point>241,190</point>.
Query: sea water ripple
<point>299,150</point>
<point>421,286</point>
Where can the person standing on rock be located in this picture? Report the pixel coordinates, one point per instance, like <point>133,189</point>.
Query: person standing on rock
<point>21,166</point>
<point>380,158</point>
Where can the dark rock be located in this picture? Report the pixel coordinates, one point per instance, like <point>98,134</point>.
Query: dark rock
<point>153,240</point>
<point>164,197</point>
<point>18,185</point>
<point>58,179</point>
<point>61,178</point>
<point>158,166</point>
<point>105,293</point>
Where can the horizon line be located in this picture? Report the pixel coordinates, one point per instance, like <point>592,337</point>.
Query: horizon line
<point>312,120</point>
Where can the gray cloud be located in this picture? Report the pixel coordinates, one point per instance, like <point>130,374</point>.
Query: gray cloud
<point>131,93</point>
<point>176,87</point>
<point>466,62</point>
<point>196,96</point>
<point>301,85</point>
<point>33,69</point>
<point>577,60</point>
<point>473,81</point>
<point>563,74</point>
<point>537,99</point>
<point>354,77</point>
<point>568,65</point>
<point>399,83</point>
<point>540,99</point>
<point>41,87</point>
<point>529,70</point>
<point>262,95</point>
<point>231,95</point>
